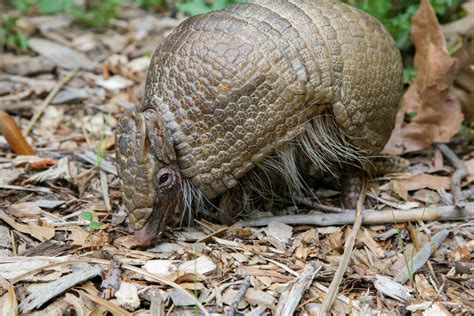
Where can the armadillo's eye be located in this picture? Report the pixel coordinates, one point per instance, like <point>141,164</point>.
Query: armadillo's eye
<point>164,177</point>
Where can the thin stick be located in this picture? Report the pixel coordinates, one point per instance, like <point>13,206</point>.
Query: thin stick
<point>240,296</point>
<point>322,207</point>
<point>369,217</point>
<point>460,173</point>
<point>348,248</point>
<point>48,99</point>
<point>209,236</point>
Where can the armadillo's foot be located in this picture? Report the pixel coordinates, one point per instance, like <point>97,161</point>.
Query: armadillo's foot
<point>232,204</point>
<point>350,189</point>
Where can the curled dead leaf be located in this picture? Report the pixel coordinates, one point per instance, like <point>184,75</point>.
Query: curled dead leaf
<point>437,113</point>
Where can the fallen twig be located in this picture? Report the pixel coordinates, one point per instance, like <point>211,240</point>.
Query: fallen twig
<point>322,207</point>
<point>348,248</point>
<point>460,173</point>
<point>48,99</point>
<point>369,217</point>
<point>240,295</point>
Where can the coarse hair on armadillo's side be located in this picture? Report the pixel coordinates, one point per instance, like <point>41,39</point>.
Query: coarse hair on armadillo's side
<point>193,200</point>
<point>323,143</point>
<point>325,146</point>
<point>328,146</point>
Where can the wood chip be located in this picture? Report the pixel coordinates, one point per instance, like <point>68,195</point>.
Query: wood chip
<point>391,288</point>
<point>279,234</point>
<point>81,273</point>
<point>257,297</point>
<point>290,297</point>
<point>60,55</point>
<point>202,265</point>
<point>127,296</point>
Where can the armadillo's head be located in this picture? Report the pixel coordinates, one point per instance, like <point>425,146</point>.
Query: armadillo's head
<point>150,178</point>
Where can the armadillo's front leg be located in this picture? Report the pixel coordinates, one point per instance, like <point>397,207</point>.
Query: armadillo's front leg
<point>233,204</point>
<point>351,184</point>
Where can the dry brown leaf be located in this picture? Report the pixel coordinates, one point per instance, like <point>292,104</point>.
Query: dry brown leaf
<point>257,297</point>
<point>424,288</point>
<point>128,241</point>
<point>335,240</point>
<point>192,286</point>
<point>438,113</point>
<point>185,277</point>
<point>367,239</point>
<point>461,253</point>
<point>79,236</point>
<point>25,210</point>
<point>411,182</point>
<point>464,82</point>
<point>41,233</point>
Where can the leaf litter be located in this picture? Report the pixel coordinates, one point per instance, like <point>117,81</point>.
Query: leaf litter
<point>65,245</point>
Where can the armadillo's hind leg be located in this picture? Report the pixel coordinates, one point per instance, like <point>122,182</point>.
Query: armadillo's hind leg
<point>352,178</point>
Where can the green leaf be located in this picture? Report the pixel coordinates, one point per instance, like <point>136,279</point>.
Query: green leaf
<point>21,5</point>
<point>410,115</point>
<point>87,216</point>
<point>377,8</point>
<point>193,7</point>
<point>219,4</point>
<point>408,74</point>
<point>22,41</point>
<point>94,225</point>
<point>55,6</point>
<point>9,23</point>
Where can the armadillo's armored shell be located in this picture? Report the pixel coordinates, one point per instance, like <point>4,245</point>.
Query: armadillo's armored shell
<point>236,84</point>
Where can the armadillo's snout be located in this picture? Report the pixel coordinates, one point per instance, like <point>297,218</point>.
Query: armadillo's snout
<point>149,177</point>
<point>136,168</point>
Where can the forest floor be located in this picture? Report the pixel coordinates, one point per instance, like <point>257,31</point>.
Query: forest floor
<point>64,241</point>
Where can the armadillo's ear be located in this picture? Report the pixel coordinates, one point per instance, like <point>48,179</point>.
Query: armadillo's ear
<point>161,143</point>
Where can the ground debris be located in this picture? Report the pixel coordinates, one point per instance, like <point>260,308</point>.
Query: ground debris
<point>65,244</point>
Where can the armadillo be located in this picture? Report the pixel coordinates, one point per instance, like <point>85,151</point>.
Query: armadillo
<point>243,99</point>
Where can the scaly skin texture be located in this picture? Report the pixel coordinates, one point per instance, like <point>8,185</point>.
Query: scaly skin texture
<point>232,86</point>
